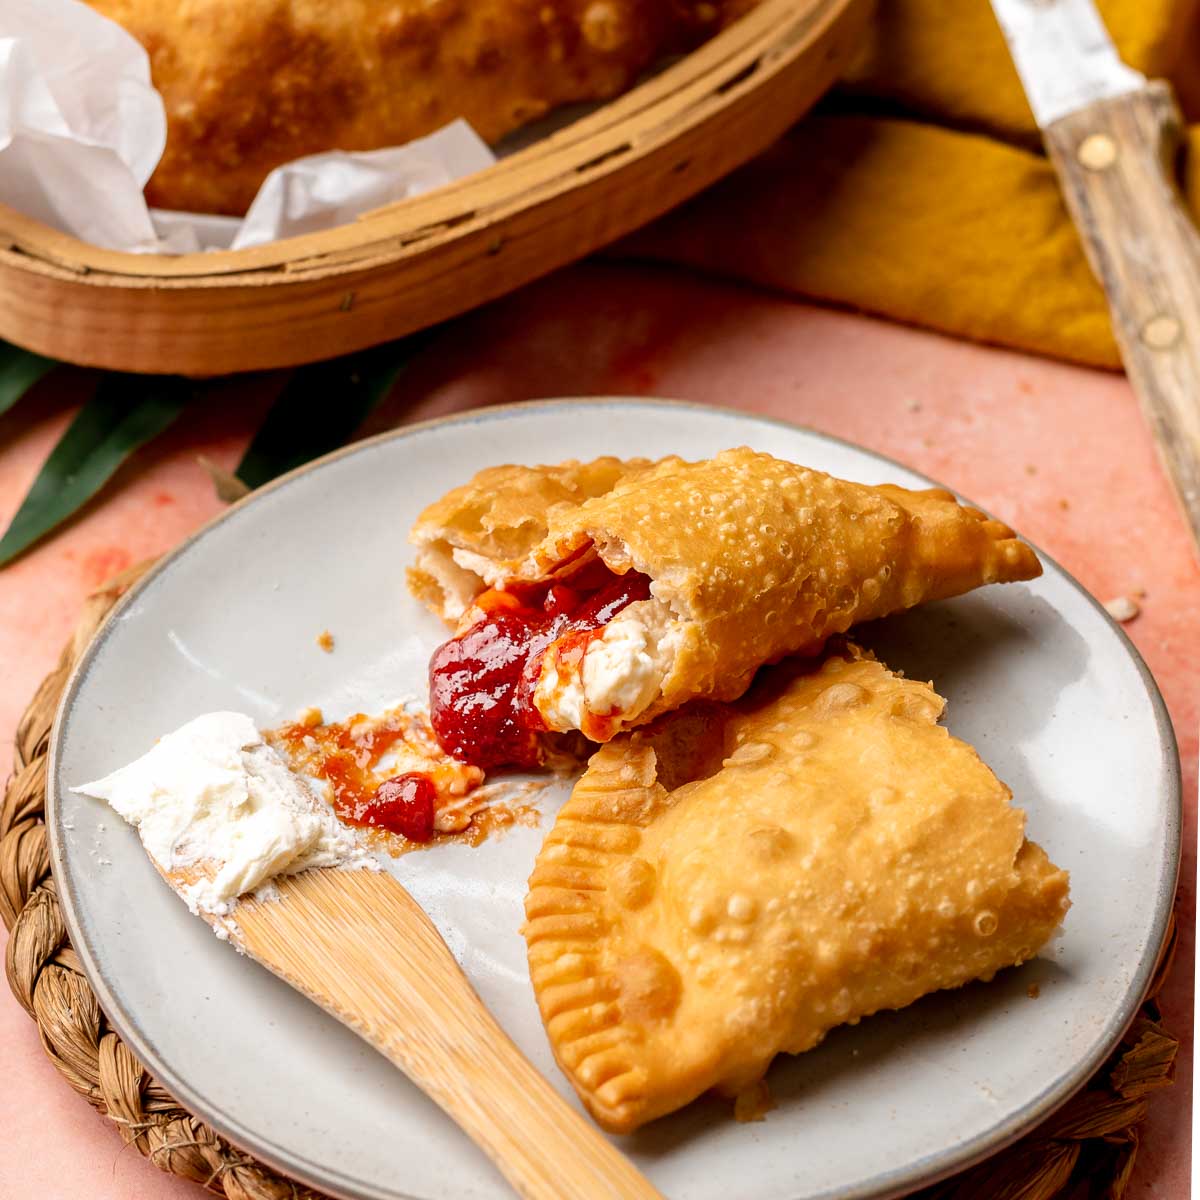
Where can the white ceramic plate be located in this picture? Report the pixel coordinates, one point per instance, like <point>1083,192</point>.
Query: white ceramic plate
<point>1038,678</point>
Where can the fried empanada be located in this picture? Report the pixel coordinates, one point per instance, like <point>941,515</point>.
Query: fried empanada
<point>253,84</point>
<point>643,586</point>
<point>737,880</point>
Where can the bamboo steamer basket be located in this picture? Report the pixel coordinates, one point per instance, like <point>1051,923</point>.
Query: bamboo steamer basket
<point>426,259</point>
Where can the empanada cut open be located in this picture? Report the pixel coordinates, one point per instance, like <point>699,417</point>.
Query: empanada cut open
<point>597,596</point>
<point>736,880</point>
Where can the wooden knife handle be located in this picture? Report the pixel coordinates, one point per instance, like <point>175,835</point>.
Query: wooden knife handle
<point>1116,161</point>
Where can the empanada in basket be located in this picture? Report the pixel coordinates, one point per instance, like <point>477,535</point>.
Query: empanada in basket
<point>256,83</point>
<point>736,880</point>
<point>617,591</point>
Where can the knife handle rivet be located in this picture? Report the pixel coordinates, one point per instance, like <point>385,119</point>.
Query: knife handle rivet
<point>1161,332</point>
<point>1097,152</point>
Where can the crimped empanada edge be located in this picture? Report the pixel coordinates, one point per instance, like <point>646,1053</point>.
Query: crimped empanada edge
<point>565,932</point>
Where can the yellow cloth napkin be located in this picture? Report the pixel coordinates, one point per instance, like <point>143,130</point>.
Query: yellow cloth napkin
<point>942,211</point>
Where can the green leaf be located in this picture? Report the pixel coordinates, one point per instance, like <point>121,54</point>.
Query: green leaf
<point>19,371</point>
<point>125,413</point>
<point>322,405</point>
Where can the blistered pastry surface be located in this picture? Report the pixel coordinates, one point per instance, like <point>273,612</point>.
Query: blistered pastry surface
<point>737,880</point>
<point>253,84</point>
<point>503,511</point>
<point>501,514</point>
<point>765,558</point>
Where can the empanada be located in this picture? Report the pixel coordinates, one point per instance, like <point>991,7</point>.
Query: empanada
<point>739,879</point>
<point>596,596</point>
<point>256,83</point>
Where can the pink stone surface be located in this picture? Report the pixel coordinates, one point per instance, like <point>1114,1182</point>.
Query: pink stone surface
<point>1060,452</point>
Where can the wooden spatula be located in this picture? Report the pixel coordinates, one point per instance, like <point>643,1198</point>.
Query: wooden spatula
<point>360,946</point>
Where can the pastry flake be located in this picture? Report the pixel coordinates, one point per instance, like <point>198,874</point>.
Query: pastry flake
<point>737,880</point>
<point>746,558</point>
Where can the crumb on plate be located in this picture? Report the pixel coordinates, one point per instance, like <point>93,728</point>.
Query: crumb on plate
<point>1122,608</point>
<point>325,641</point>
<point>754,1103</point>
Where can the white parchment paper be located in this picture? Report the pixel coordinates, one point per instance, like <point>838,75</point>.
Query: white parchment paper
<point>82,129</point>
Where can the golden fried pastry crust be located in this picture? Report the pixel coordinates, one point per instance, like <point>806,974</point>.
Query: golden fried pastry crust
<point>253,84</point>
<point>737,880</point>
<point>754,557</point>
<point>483,530</point>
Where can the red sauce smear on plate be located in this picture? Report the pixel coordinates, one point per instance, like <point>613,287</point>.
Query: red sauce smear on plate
<point>345,754</point>
<point>482,682</point>
<point>404,804</point>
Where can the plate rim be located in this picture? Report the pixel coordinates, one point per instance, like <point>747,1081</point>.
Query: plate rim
<point>922,1172</point>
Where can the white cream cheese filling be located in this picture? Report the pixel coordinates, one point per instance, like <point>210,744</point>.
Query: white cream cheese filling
<point>214,793</point>
<point>621,674</point>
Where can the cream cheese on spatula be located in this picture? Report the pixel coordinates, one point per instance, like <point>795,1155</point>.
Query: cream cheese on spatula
<point>214,792</point>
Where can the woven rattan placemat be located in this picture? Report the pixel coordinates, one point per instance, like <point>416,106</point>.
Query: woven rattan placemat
<point>1086,1149</point>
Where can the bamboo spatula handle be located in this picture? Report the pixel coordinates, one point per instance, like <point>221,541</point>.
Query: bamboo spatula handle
<point>359,945</point>
<point>1115,159</point>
